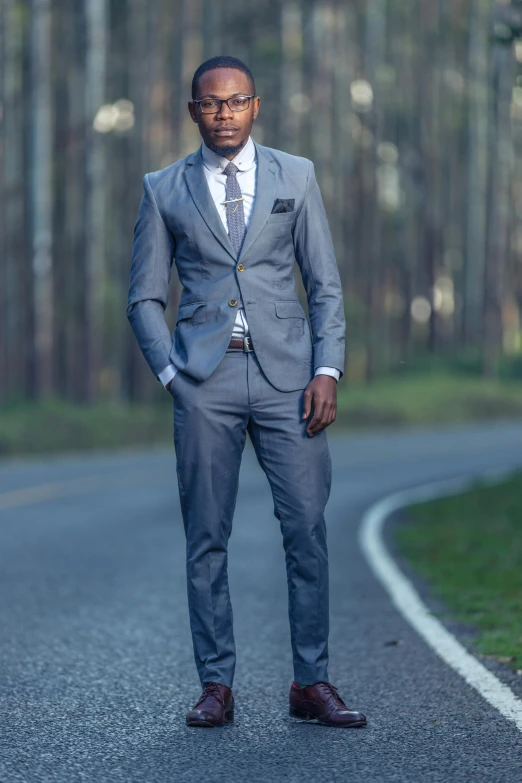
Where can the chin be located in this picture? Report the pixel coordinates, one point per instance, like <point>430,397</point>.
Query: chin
<point>226,149</point>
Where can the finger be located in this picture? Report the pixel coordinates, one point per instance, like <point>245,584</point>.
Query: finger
<point>324,419</point>
<point>307,403</point>
<point>317,418</point>
<point>317,428</point>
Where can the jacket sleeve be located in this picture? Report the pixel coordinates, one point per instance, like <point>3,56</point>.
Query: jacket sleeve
<point>315,256</point>
<point>152,255</point>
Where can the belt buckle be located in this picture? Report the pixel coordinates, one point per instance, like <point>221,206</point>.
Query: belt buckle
<point>245,344</point>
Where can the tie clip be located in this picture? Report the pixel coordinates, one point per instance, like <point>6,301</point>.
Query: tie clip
<point>231,201</point>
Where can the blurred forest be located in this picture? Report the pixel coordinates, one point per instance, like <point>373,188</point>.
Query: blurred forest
<point>410,110</point>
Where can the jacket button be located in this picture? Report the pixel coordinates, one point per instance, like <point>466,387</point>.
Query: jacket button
<point>233,302</point>
<point>240,268</point>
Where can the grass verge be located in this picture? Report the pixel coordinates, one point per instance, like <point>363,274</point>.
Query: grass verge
<point>427,399</point>
<point>55,426</point>
<point>469,550</point>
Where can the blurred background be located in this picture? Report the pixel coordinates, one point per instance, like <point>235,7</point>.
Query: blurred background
<point>412,114</point>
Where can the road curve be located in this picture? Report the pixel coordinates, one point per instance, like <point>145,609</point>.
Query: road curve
<point>96,668</point>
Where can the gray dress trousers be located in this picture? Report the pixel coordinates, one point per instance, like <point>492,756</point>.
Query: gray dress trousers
<point>211,420</point>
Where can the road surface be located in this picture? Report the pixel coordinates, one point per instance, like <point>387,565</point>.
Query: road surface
<point>96,667</point>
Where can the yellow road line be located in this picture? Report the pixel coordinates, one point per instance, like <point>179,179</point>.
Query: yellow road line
<point>29,495</point>
<point>41,493</point>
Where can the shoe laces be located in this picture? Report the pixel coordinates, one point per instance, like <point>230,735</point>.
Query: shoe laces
<point>211,689</point>
<point>330,690</point>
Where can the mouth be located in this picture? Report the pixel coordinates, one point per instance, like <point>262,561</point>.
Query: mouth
<point>226,130</point>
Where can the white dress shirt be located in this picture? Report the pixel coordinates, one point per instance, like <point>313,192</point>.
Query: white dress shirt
<point>214,166</point>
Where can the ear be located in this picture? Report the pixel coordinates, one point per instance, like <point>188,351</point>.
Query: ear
<point>192,110</point>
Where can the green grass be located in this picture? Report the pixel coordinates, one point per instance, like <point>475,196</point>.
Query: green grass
<point>436,398</point>
<point>469,549</point>
<point>427,398</point>
<point>55,426</point>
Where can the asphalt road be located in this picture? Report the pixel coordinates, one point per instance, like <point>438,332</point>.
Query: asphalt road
<point>96,667</point>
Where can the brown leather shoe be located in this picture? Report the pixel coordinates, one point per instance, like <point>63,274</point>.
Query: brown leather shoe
<point>214,708</point>
<point>322,703</point>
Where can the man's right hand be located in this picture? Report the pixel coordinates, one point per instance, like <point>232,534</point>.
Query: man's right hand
<point>168,385</point>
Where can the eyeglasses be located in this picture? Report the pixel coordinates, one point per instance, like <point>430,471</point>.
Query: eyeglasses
<point>213,105</point>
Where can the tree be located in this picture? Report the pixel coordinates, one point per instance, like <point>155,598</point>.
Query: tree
<point>41,171</point>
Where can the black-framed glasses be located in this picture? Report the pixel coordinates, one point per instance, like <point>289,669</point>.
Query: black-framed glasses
<point>213,105</point>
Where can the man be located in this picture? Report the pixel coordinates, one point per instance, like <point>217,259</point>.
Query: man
<point>234,215</point>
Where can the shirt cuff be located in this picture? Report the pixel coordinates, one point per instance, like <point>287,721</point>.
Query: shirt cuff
<point>167,374</point>
<point>328,371</point>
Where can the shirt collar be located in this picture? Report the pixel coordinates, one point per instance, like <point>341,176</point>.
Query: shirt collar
<point>244,160</point>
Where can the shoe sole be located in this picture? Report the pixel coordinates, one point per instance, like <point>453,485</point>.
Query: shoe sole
<point>204,724</point>
<point>295,712</point>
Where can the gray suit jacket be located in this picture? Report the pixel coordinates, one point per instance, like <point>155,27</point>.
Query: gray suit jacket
<point>178,220</point>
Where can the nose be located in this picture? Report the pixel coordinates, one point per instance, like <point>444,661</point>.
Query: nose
<point>224,112</point>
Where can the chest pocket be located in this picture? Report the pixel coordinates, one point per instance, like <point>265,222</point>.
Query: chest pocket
<point>282,217</point>
<point>279,225</point>
<point>280,222</point>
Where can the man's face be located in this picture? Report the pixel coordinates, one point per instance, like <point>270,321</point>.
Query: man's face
<point>224,131</point>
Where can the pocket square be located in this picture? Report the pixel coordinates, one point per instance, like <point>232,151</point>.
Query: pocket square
<point>283,205</point>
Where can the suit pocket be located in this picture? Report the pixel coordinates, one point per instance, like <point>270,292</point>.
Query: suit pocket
<point>283,205</point>
<point>289,308</point>
<point>171,387</point>
<point>293,318</point>
<point>177,383</point>
<point>189,310</point>
<point>282,217</point>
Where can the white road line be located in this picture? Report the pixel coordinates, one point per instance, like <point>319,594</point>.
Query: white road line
<point>408,602</point>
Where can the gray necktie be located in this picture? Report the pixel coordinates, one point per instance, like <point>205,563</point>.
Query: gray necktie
<point>235,217</point>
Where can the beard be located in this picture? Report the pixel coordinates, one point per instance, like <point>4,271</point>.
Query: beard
<point>226,150</point>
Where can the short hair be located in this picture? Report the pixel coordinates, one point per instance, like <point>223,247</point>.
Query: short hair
<point>221,62</point>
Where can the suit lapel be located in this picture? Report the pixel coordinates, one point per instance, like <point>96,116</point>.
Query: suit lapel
<point>199,190</point>
<point>264,200</point>
<point>263,203</point>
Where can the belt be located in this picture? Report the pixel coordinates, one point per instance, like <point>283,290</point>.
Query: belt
<point>243,343</point>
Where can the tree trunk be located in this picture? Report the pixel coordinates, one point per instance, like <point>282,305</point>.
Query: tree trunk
<point>477,172</point>
<point>96,18</point>
<point>374,60</point>
<point>292,106</point>
<point>499,206</point>
<point>3,245</point>
<point>41,198</point>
